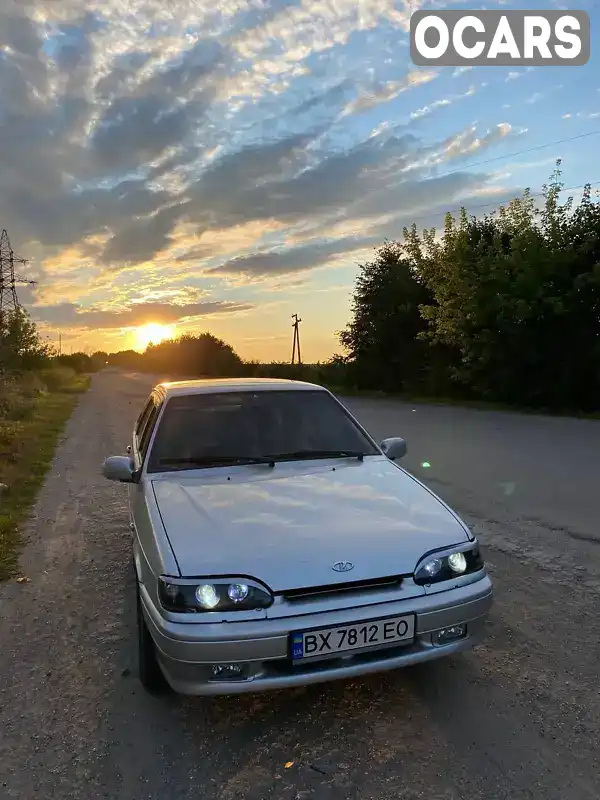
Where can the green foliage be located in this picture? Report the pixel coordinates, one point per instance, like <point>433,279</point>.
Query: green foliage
<point>18,395</point>
<point>207,356</point>
<point>382,341</point>
<point>20,345</point>
<point>507,307</point>
<point>126,359</point>
<point>185,356</point>
<point>193,355</point>
<point>332,372</point>
<point>83,362</point>
<point>56,377</point>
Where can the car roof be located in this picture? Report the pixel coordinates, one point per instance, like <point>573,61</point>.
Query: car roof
<point>212,385</point>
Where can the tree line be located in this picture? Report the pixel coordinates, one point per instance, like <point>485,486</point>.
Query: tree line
<point>205,355</point>
<point>505,307</point>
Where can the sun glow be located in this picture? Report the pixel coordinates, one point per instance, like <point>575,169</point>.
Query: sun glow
<point>152,333</point>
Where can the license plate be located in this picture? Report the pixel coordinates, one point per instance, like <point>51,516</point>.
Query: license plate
<point>358,636</point>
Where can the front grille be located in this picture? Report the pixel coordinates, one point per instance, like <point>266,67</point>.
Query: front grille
<point>331,590</point>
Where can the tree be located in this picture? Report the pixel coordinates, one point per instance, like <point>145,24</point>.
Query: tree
<point>381,339</point>
<point>126,359</point>
<point>193,355</point>
<point>516,297</point>
<point>477,278</point>
<point>21,347</point>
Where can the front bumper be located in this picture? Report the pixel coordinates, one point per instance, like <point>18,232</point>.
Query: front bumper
<point>187,652</point>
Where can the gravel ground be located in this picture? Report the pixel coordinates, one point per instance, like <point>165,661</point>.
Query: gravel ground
<point>517,718</point>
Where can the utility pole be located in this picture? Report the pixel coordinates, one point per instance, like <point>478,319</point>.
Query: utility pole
<point>9,302</point>
<point>297,322</point>
<point>60,344</point>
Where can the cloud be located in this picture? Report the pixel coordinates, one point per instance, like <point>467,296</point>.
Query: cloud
<point>135,130</point>
<point>583,115</point>
<point>460,71</point>
<point>293,259</point>
<point>142,239</point>
<point>298,32</point>
<point>444,101</point>
<point>148,146</point>
<point>70,315</point>
<point>387,91</point>
<point>426,110</point>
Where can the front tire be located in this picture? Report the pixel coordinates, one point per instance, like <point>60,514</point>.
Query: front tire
<point>150,673</point>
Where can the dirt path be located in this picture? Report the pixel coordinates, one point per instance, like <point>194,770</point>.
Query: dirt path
<point>518,718</point>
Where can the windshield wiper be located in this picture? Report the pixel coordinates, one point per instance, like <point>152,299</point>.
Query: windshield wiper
<point>215,461</point>
<point>305,454</point>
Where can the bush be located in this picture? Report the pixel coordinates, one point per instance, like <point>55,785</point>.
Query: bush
<point>18,394</point>
<point>83,362</point>
<point>332,373</point>
<point>56,377</point>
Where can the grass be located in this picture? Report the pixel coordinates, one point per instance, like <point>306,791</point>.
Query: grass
<point>33,414</point>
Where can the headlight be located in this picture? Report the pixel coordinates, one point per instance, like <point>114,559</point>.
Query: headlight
<point>218,594</point>
<point>453,563</point>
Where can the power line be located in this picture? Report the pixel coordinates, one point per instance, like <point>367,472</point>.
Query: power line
<point>517,153</point>
<point>495,203</point>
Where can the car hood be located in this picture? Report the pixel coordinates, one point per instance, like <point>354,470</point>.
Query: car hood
<point>287,526</point>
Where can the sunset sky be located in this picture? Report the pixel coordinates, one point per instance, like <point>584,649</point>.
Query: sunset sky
<point>221,165</point>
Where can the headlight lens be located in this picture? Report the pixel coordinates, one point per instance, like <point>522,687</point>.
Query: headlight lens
<point>207,597</point>
<point>221,594</point>
<point>457,563</point>
<point>238,592</point>
<point>432,567</point>
<point>451,564</point>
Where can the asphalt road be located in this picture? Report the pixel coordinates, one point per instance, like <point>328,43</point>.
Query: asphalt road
<point>519,717</point>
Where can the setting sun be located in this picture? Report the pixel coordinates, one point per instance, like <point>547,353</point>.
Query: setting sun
<point>151,333</point>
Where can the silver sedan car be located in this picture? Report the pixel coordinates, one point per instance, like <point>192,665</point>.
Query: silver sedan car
<point>277,544</point>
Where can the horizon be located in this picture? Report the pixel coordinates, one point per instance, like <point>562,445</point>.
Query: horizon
<point>91,352</point>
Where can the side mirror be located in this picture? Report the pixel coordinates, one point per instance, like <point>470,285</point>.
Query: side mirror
<point>118,468</point>
<point>394,448</point>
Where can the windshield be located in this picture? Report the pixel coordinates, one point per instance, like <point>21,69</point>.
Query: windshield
<point>224,428</point>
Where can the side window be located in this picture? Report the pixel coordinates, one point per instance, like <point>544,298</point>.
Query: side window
<point>139,425</point>
<point>146,433</point>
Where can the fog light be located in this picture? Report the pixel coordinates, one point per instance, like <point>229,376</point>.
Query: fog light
<point>447,635</point>
<point>228,672</point>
